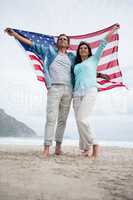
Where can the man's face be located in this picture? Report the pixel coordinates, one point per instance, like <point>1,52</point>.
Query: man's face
<point>63,42</point>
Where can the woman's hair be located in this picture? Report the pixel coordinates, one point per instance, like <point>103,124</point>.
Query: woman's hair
<point>78,57</point>
<point>68,39</point>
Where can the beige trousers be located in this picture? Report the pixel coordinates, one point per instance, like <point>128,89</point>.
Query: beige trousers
<point>83,106</point>
<point>58,106</point>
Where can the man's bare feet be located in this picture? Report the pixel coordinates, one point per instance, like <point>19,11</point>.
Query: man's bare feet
<point>58,149</point>
<point>46,152</point>
<point>96,150</point>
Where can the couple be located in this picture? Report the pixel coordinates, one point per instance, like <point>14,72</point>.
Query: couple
<point>69,76</point>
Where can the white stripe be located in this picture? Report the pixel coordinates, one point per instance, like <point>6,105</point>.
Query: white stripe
<point>108,46</point>
<point>34,61</point>
<point>39,73</point>
<point>108,58</point>
<point>31,53</point>
<point>91,39</point>
<point>37,63</point>
<point>107,84</point>
<point>112,70</point>
<point>119,79</point>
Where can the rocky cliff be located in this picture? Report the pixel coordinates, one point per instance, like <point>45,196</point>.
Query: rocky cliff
<point>9,126</point>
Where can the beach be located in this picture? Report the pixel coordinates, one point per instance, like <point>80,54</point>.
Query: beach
<point>26,175</point>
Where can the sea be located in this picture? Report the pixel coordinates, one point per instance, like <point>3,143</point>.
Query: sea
<point>110,131</point>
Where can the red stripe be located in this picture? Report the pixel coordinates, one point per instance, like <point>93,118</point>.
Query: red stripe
<point>40,78</point>
<point>115,75</point>
<point>33,57</point>
<point>105,81</point>
<point>111,87</point>
<point>112,76</point>
<point>97,43</point>
<point>93,44</point>
<point>110,51</point>
<point>92,34</point>
<point>108,65</point>
<point>37,67</point>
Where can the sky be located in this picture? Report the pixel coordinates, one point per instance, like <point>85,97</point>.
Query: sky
<point>20,93</point>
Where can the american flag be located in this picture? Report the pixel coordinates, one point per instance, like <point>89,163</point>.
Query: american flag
<point>108,63</point>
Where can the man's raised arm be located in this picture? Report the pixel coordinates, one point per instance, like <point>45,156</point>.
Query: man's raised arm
<point>17,36</point>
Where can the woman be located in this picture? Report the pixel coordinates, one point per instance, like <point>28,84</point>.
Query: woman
<point>85,92</point>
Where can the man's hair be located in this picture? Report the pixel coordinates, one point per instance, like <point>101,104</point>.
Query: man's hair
<point>63,34</point>
<point>78,57</point>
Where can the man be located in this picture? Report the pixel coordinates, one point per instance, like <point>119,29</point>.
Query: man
<point>59,81</point>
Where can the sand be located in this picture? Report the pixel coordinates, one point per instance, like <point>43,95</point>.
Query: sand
<point>26,175</point>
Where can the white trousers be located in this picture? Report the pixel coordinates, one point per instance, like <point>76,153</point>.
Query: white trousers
<point>58,106</point>
<point>83,106</point>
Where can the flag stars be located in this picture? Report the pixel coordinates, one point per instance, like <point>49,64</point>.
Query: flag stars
<point>42,45</point>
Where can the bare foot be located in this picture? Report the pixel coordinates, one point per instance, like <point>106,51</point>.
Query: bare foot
<point>88,152</point>
<point>96,150</point>
<point>46,152</point>
<point>58,149</point>
<point>84,152</point>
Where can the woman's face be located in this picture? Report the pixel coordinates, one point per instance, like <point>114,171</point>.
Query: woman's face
<point>84,51</point>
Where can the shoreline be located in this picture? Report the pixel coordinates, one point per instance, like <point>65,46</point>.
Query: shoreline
<point>66,142</point>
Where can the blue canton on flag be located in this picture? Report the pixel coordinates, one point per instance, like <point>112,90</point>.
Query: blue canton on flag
<point>42,39</point>
<point>36,58</point>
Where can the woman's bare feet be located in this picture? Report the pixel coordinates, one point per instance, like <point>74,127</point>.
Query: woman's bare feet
<point>46,152</point>
<point>96,150</point>
<point>88,152</point>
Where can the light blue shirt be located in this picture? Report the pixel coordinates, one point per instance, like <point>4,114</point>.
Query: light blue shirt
<point>86,72</point>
